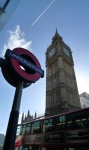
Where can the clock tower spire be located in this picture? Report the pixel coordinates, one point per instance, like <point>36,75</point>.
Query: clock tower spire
<point>61,86</point>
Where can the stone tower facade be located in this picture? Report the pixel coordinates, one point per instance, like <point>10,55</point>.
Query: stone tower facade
<point>61,86</point>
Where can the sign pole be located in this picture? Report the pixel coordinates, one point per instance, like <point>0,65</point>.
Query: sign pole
<point>9,143</point>
<point>19,78</point>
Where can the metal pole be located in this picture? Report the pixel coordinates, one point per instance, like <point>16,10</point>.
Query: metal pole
<point>9,143</point>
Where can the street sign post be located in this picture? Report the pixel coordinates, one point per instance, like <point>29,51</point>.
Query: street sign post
<point>20,68</point>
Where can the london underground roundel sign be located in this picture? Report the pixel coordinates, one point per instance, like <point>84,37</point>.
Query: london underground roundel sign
<point>23,66</point>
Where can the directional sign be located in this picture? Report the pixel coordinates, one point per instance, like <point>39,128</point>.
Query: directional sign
<point>22,57</point>
<point>24,61</point>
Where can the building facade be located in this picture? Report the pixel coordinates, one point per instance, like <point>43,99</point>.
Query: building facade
<point>61,86</point>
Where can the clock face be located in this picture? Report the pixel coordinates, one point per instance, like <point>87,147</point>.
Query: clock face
<point>51,52</point>
<point>66,51</point>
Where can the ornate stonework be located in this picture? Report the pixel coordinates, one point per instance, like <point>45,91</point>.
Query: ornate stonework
<point>61,86</point>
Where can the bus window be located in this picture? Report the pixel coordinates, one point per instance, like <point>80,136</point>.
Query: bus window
<point>23,129</point>
<point>37,127</point>
<point>62,119</point>
<point>19,130</point>
<point>28,129</point>
<point>70,121</point>
<point>69,125</point>
<point>23,148</point>
<point>81,120</point>
<point>79,124</point>
<point>80,115</point>
<point>87,113</point>
<point>61,122</point>
<point>76,120</point>
<point>48,125</point>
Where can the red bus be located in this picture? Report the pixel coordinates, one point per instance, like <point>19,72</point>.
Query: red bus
<point>67,131</point>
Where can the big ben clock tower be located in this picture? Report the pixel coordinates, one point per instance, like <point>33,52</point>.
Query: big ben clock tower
<point>61,86</point>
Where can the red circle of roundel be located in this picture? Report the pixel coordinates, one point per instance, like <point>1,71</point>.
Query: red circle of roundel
<point>27,76</point>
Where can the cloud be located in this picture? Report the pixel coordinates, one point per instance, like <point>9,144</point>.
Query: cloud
<point>16,39</point>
